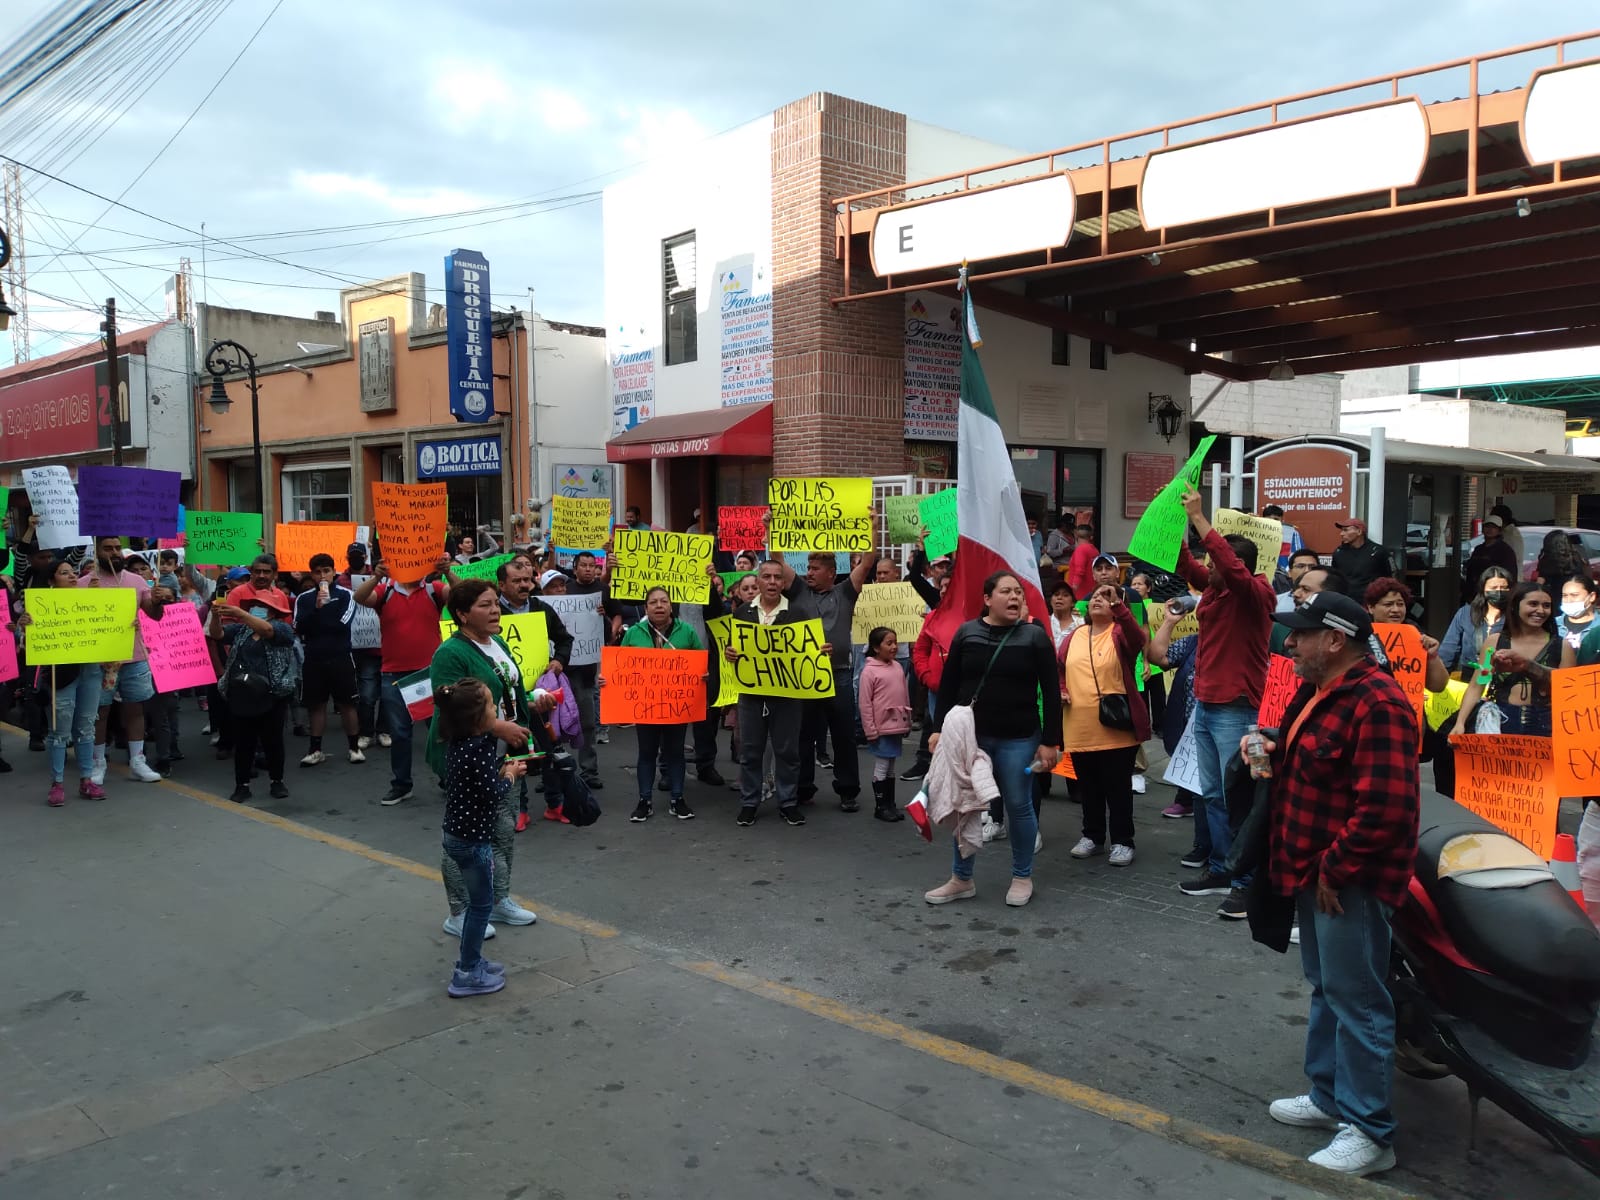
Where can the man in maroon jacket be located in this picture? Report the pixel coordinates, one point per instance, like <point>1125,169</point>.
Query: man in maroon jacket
<point>1235,615</point>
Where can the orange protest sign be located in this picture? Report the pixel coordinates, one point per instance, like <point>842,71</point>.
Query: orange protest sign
<point>1510,779</point>
<point>296,542</point>
<point>1064,767</point>
<point>652,687</point>
<point>1282,684</point>
<point>1575,729</point>
<point>410,520</point>
<point>1409,662</point>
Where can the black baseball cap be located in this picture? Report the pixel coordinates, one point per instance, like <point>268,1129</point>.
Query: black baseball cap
<point>1329,610</point>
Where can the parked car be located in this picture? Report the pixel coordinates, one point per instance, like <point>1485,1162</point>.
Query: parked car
<point>1588,541</point>
<point>1582,427</point>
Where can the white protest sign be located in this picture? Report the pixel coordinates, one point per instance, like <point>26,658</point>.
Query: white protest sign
<point>584,621</point>
<point>1183,769</point>
<point>365,630</point>
<point>55,503</point>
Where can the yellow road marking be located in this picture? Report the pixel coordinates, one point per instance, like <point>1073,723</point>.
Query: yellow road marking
<point>1126,1112</point>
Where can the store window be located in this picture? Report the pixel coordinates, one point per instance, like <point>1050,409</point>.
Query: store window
<point>1080,484</point>
<point>680,340</point>
<point>316,492</point>
<point>244,494</point>
<point>392,465</point>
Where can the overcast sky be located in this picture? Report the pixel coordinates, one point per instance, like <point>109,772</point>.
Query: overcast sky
<point>357,111</point>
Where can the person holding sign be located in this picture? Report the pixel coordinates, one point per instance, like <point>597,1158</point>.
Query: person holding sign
<point>77,689</point>
<point>1003,667</point>
<point>661,630</point>
<point>128,685</point>
<point>476,651</point>
<point>1341,842</point>
<point>769,718</point>
<point>1516,679</point>
<point>258,680</point>
<point>1235,618</point>
<point>1388,602</point>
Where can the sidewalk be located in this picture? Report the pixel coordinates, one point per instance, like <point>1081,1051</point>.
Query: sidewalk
<point>202,1004</point>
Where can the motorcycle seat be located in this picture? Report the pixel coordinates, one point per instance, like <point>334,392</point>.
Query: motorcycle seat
<point>1502,906</point>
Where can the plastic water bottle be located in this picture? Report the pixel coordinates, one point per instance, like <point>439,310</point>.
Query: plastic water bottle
<point>1255,750</point>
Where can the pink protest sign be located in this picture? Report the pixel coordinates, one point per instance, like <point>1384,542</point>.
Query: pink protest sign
<point>176,644</point>
<point>8,655</point>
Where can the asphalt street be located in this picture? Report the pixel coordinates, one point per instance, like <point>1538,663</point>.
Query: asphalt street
<point>777,1009</point>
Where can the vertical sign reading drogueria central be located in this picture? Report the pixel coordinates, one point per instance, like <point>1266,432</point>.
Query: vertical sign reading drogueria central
<point>466,311</point>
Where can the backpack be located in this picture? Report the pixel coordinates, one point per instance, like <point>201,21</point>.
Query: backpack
<point>563,785</point>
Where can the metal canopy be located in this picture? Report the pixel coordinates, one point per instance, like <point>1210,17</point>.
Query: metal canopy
<point>1419,454</point>
<point>1485,252</point>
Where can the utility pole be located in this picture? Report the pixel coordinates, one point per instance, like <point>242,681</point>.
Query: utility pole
<point>113,384</point>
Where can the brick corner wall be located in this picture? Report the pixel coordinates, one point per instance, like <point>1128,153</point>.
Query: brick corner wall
<point>838,372</point>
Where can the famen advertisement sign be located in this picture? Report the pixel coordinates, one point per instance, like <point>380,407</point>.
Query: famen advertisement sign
<point>466,310</point>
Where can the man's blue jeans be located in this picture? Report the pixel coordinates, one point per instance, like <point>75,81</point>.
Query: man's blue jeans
<point>1218,729</point>
<point>1350,1035</point>
<point>1010,757</point>
<point>369,682</point>
<point>397,722</point>
<point>476,861</point>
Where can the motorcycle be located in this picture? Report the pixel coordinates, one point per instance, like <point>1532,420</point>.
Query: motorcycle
<point>1495,975</point>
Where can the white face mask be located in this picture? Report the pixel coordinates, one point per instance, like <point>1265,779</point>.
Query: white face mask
<point>1574,608</point>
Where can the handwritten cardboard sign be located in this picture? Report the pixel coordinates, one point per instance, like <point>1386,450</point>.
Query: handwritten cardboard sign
<point>652,687</point>
<point>781,660</point>
<point>896,605</point>
<point>80,625</point>
<point>1183,768</point>
<point>728,691</point>
<point>1510,779</point>
<point>902,520</point>
<point>54,499</point>
<point>527,637</point>
<point>484,568</point>
<point>1575,729</point>
<point>742,526</point>
<point>1163,526</point>
<point>1282,684</point>
<point>226,538</point>
<point>8,655</point>
<point>176,645</point>
<point>410,520</point>
<point>127,502</point>
<point>1409,662</point>
<point>938,513</point>
<point>645,558</point>
<point>1265,532</point>
<point>296,542</point>
<point>820,514</point>
<point>585,621</point>
<point>582,522</point>
<point>366,629</point>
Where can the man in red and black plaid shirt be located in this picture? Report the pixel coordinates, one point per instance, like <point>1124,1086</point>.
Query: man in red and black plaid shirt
<point>1343,842</point>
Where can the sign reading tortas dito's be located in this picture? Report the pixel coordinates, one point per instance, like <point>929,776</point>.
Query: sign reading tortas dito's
<point>821,514</point>
<point>781,660</point>
<point>895,605</point>
<point>645,558</point>
<point>80,625</point>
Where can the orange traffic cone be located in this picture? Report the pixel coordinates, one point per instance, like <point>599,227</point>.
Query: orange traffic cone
<point>1564,866</point>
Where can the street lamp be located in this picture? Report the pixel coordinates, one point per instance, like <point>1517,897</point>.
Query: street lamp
<point>228,357</point>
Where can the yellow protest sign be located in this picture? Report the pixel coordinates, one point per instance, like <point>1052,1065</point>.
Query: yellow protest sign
<point>728,692</point>
<point>1439,707</point>
<point>580,522</point>
<point>645,558</point>
<point>820,514</point>
<point>896,605</point>
<point>1265,532</point>
<point>80,625</point>
<point>525,636</point>
<point>781,660</point>
<point>1510,779</point>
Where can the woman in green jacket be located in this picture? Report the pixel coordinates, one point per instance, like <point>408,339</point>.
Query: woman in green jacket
<point>476,651</point>
<point>661,630</point>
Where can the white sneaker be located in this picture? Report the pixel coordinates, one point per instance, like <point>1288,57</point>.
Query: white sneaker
<point>357,757</point>
<point>313,758</point>
<point>452,926</point>
<point>1138,785</point>
<point>1294,935</point>
<point>1353,1153</point>
<point>1038,841</point>
<point>97,776</point>
<point>988,827</point>
<point>206,728</point>
<point>363,742</point>
<point>1120,856</point>
<point>142,771</point>
<point>1086,848</point>
<point>1299,1110</point>
<point>385,740</point>
<point>510,912</point>
<point>216,739</point>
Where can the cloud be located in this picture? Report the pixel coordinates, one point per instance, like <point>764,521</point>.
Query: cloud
<point>399,201</point>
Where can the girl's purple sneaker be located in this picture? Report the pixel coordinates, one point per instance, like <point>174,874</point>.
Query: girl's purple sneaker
<point>492,967</point>
<point>476,982</point>
<point>90,790</point>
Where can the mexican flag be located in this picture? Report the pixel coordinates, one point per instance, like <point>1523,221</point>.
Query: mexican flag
<point>993,532</point>
<point>417,691</point>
